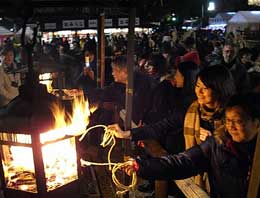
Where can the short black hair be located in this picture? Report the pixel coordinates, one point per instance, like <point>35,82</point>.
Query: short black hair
<point>220,80</point>
<point>244,51</point>
<point>120,61</point>
<point>249,103</point>
<point>189,42</point>
<point>158,62</point>
<point>189,70</point>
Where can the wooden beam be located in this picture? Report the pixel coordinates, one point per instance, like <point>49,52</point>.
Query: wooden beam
<point>130,68</point>
<point>101,50</point>
<point>255,173</point>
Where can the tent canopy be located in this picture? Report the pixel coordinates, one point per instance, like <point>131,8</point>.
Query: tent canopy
<point>5,32</point>
<point>246,17</point>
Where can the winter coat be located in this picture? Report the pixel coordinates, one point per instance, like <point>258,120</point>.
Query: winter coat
<point>164,120</point>
<point>239,73</point>
<point>196,117</point>
<point>9,83</point>
<point>227,163</point>
<point>115,94</point>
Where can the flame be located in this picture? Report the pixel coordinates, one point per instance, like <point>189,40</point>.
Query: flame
<point>59,156</point>
<point>18,153</point>
<point>74,124</point>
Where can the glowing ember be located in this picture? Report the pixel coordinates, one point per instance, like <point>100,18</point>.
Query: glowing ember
<point>58,151</point>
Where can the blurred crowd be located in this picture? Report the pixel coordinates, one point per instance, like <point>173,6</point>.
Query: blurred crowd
<point>193,90</point>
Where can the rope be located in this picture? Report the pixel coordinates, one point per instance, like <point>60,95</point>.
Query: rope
<point>108,139</point>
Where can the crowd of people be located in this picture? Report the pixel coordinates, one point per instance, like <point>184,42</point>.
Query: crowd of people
<point>196,93</point>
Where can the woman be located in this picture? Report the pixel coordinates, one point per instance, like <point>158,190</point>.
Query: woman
<point>9,79</point>
<point>214,87</point>
<point>227,158</point>
<point>168,111</point>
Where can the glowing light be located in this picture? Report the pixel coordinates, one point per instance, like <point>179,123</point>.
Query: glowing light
<point>254,2</point>
<point>211,6</point>
<point>59,156</point>
<point>46,79</point>
<point>256,12</point>
<point>76,124</point>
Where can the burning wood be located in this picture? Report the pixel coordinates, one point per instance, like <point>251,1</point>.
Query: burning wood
<point>58,149</point>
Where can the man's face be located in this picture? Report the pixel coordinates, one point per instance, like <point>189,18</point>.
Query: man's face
<point>119,74</point>
<point>228,53</point>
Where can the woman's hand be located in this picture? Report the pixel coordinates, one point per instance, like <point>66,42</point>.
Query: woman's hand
<point>204,134</point>
<point>130,167</point>
<point>118,132</point>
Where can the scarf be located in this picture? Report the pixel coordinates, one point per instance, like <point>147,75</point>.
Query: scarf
<point>192,132</point>
<point>192,122</point>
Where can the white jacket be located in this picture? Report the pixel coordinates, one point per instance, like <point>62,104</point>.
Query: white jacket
<point>7,90</point>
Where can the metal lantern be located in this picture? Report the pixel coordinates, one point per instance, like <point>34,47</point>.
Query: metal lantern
<point>36,161</point>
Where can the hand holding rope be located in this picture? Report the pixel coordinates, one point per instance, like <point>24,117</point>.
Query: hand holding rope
<point>108,139</point>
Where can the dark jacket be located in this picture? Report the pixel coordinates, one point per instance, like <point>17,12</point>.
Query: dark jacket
<point>164,120</point>
<point>239,73</point>
<point>227,164</point>
<point>115,93</point>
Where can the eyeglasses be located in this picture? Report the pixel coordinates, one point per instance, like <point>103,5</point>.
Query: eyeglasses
<point>237,123</point>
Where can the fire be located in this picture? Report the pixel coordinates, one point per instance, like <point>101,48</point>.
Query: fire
<point>75,125</point>
<point>58,150</point>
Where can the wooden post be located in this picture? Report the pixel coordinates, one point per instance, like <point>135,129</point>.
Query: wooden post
<point>101,51</point>
<point>130,68</point>
<point>255,173</point>
<point>130,84</point>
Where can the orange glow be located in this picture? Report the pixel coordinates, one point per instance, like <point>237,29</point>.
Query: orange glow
<point>59,156</point>
<point>75,125</point>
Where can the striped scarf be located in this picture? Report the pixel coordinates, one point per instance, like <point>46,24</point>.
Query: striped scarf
<point>192,122</point>
<point>192,132</point>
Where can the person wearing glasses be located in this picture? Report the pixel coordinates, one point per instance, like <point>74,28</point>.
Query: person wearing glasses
<point>214,86</point>
<point>227,157</point>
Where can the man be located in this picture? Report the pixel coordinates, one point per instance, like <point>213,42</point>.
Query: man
<point>238,71</point>
<point>9,79</point>
<point>115,92</point>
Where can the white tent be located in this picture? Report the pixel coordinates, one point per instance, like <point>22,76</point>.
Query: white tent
<point>28,33</point>
<point>249,20</point>
<point>220,20</point>
<point>5,32</point>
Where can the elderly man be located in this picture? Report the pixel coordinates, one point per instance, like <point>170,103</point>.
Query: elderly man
<point>9,79</point>
<point>239,71</point>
